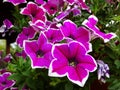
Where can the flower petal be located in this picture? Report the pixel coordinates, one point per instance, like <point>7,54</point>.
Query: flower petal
<point>91,24</point>
<point>78,75</point>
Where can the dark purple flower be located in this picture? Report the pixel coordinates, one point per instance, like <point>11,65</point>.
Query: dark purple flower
<point>3,71</point>
<point>15,2</point>
<point>21,54</point>
<point>72,60</point>
<point>27,33</point>
<point>7,58</point>
<point>4,82</point>
<point>81,34</point>
<point>53,35</point>
<point>34,11</point>
<point>76,12</point>
<point>103,71</point>
<point>91,24</point>
<point>39,52</point>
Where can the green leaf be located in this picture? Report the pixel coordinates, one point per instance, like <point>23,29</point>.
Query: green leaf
<point>69,86</point>
<point>15,76</point>
<point>117,63</point>
<point>115,85</point>
<point>21,85</point>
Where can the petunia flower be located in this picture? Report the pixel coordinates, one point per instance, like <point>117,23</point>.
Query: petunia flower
<point>39,52</point>
<point>15,2</point>
<point>34,11</point>
<point>72,60</point>
<point>91,24</point>
<point>52,6</point>
<point>7,24</point>
<point>81,34</point>
<point>27,33</point>
<point>103,71</point>
<point>4,82</point>
<point>54,35</point>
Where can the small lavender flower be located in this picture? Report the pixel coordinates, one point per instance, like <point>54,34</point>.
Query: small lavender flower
<point>103,71</point>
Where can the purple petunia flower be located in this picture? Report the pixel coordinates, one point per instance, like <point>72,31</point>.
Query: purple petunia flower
<point>72,60</point>
<point>52,6</point>
<point>15,2</point>
<point>27,33</point>
<point>39,52</point>
<point>4,82</point>
<point>103,71</point>
<point>81,34</point>
<point>54,35</point>
<point>6,26</point>
<point>91,24</point>
<point>34,11</point>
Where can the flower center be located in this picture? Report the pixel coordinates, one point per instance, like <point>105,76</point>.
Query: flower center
<point>33,14</point>
<point>72,62</point>
<point>3,83</point>
<point>71,36</point>
<point>39,53</point>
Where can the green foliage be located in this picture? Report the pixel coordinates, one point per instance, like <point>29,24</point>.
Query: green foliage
<point>115,85</point>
